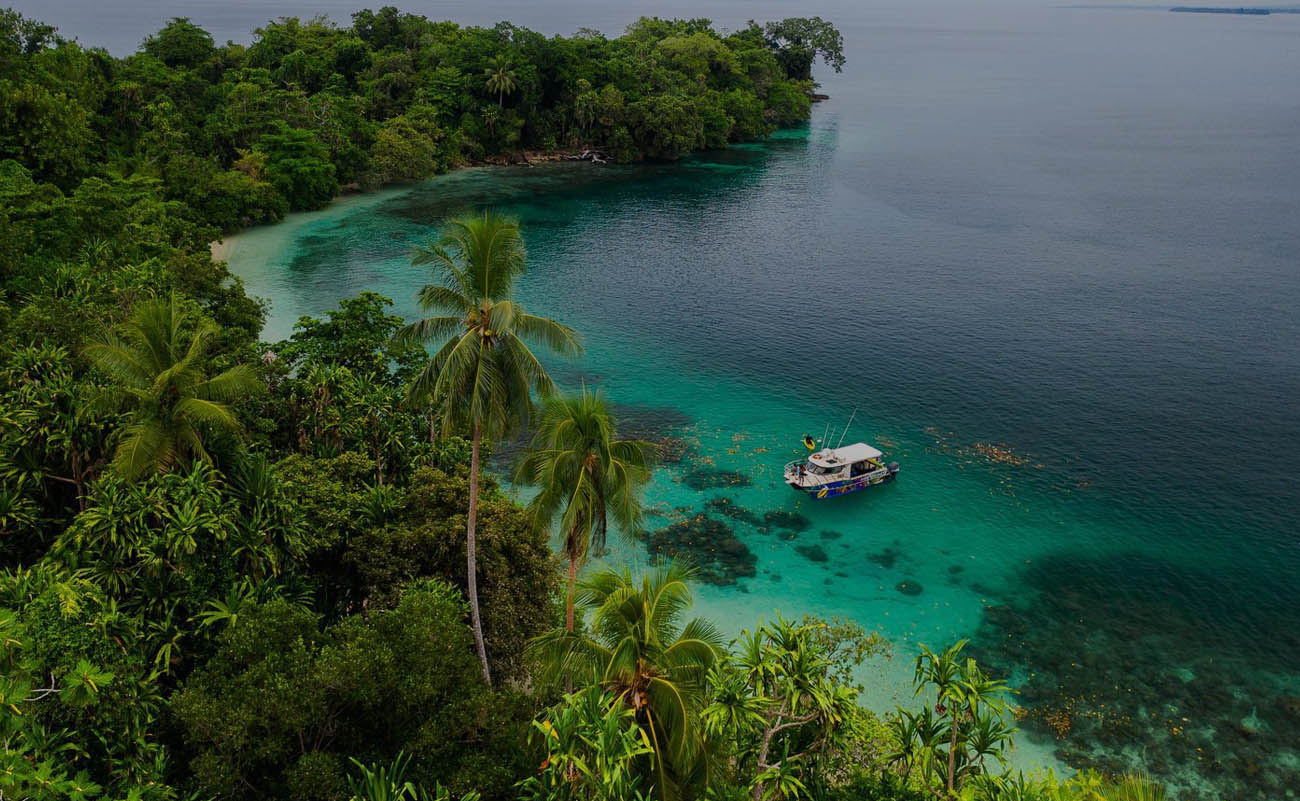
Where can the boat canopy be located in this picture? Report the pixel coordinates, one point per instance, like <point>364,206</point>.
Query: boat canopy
<point>836,457</point>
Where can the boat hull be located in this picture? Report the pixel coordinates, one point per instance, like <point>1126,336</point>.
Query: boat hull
<point>823,491</point>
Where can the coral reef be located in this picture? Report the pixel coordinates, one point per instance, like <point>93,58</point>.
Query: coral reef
<point>708,544</point>
<point>886,558</point>
<point>729,508</point>
<point>715,478</point>
<point>813,553</point>
<point>1109,651</point>
<point>791,521</point>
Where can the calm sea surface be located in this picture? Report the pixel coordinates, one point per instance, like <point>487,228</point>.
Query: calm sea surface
<point>1050,255</point>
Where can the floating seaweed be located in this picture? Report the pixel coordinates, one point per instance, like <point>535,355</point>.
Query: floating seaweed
<point>710,545</point>
<point>714,478</point>
<point>813,553</point>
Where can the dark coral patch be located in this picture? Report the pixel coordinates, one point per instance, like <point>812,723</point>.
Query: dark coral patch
<point>831,535</point>
<point>710,546</point>
<point>710,478</point>
<point>813,553</point>
<point>791,521</point>
<point>729,508</point>
<point>909,587</point>
<point>886,558</point>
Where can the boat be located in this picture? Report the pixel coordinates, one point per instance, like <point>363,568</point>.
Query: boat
<point>839,471</point>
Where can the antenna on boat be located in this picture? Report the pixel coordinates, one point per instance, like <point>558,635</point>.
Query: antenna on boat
<point>846,426</point>
<point>825,433</point>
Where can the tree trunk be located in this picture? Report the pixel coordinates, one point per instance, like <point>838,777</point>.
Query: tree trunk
<point>568,606</point>
<point>471,556</point>
<point>952,752</point>
<point>765,744</point>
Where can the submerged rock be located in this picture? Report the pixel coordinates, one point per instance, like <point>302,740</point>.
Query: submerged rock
<point>792,521</point>
<point>831,535</point>
<point>909,587</point>
<point>886,558</point>
<point>712,548</point>
<point>813,553</point>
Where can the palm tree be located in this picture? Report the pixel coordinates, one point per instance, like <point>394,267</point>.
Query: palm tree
<point>157,364</point>
<point>585,475</point>
<point>483,372</point>
<point>500,77</point>
<point>639,652</point>
<point>963,691</point>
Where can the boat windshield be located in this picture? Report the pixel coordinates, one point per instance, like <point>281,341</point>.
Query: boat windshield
<point>818,470</point>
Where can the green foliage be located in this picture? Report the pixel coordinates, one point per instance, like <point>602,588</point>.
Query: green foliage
<point>785,703</point>
<point>282,691</point>
<point>299,167</point>
<point>799,40</point>
<point>584,474</point>
<point>156,366</point>
<point>483,371</point>
<point>181,44</point>
<point>410,147</point>
<point>47,131</point>
<point>592,743</point>
<point>425,536</point>
<point>640,652</point>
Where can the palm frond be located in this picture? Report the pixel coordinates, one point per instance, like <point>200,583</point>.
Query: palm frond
<point>229,385</point>
<point>208,413</point>
<point>555,336</point>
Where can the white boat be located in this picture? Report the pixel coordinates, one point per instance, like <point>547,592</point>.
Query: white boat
<point>837,471</point>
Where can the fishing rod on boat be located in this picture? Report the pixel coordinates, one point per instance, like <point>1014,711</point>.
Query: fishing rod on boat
<point>846,426</point>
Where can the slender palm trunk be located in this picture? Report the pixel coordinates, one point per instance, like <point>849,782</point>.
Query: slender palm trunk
<point>471,556</point>
<point>952,751</point>
<point>568,603</point>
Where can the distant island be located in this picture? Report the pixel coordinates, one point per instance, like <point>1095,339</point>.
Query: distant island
<point>1202,10</point>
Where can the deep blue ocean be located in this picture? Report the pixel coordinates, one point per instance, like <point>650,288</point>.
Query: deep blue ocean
<point>1052,257</point>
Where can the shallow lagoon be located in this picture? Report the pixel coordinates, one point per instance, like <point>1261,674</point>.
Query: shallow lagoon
<point>1076,334</point>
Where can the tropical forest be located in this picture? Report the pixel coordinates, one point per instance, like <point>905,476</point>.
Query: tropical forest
<point>358,564</point>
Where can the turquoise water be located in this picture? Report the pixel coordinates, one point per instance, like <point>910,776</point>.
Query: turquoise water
<point>1051,259</point>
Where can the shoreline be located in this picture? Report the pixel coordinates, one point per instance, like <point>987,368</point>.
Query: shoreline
<point>221,248</point>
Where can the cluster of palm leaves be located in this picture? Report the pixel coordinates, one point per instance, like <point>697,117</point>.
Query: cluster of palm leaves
<point>156,363</point>
<point>641,651</point>
<point>387,782</point>
<point>956,738</point>
<point>592,744</point>
<point>584,475</point>
<point>1085,786</point>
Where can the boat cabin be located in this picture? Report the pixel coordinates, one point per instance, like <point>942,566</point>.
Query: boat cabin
<point>839,470</point>
<point>850,461</point>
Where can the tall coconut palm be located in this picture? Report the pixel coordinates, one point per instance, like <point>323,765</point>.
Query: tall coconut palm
<point>156,362</point>
<point>483,371</point>
<point>500,78</point>
<point>639,651</point>
<point>585,475</point>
